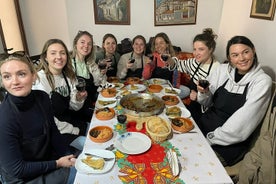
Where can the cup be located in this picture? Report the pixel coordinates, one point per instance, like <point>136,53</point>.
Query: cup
<point>81,84</point>
<point>132,60</point>
<point>122,118</point>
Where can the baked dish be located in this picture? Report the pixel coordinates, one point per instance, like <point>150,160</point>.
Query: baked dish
<point>133,80</point>
<point>113,80</point>
<point>108,92</point>
<point>155,88</point>
<point>170,99</point>
<point>100,134</point>
<point>173,112</point>
<point>105,113</point>
<point>182,124</point>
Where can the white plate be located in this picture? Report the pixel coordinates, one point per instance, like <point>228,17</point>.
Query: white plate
<point>140,87</point>
<point>118,85</point>
<point>98,105</point>
<point>157,81</point>
<point>176,90</point>
<point>85,169</point>
<point>133,143</point>
<point>185,113</point>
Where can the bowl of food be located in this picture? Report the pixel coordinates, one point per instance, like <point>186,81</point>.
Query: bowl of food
<point>113,79</point>
<point>105,113</point>
<point>158,128</point>
<point>170,99</point>
<point>109,92</point>
<point>100,134</point>
<point>155,88</point>
<point>182,125</point>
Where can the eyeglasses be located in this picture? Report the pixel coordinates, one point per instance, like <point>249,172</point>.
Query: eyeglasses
<point>17,54</point>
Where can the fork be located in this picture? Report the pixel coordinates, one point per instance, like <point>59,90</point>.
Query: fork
<point>92,155</point>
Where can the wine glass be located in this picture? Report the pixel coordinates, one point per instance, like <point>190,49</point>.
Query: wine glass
<point>81,84</point>
<point>109,62</point>
<point>131,60</point>
<point>102,64</point>
<point>203,82</point>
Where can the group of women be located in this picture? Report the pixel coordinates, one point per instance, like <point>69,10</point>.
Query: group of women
<point>44,118</point>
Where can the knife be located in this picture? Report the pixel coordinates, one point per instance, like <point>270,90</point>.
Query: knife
<point>96,155</point>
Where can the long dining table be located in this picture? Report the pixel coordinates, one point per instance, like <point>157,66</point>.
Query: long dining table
<point>198,164</point>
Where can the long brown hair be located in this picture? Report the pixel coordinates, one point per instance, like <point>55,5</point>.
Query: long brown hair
<point>43,65</point>
<point>166,39</point>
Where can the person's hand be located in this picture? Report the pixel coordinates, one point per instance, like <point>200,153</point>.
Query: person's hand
<point>201,89</point>
<point>66,161</point>
<point>193,95</point>
<point>103,71</point>
<point>81,95</point>
<point>149,59</point>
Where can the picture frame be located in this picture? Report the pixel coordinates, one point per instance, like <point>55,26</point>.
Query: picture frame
<point>175,12</point>
<point>112,12</point>
<point>263,9</point>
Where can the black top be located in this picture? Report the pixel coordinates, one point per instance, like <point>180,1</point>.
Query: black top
<point>23,120</point>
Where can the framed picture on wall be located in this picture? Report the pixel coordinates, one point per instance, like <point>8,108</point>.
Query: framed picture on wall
<point>112,12</point>
<point>170,12</point>
<point>263,9</point>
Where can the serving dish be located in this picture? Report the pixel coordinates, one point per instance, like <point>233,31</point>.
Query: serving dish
<point>170,99</point>
<point>100,134</point>
<point>182,125</point>
<point>133,80</point>
<point>158,128</point>
<point>105,113</point>
<point>155,88</point>
<point>136,87</point>
<point>157,81</point>
<point>109,92</point>
<point>142,104</point>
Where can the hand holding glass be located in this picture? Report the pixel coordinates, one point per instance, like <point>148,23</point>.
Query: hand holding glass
<point>81,84</point>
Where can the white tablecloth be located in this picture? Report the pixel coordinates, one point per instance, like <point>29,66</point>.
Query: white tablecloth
<point>199,164</point>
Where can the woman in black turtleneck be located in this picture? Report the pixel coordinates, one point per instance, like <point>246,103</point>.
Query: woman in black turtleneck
<point>30,143</point>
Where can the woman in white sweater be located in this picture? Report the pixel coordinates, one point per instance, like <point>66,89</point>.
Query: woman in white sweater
<point>237,98</point>
<point>57,78</point>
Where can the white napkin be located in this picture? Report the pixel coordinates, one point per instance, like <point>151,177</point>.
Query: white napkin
<point>173,161</point>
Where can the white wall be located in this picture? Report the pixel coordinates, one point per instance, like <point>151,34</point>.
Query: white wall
<point>62,19</point>
<point>235,20</point>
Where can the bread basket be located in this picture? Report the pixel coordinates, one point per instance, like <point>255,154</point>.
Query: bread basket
<point>155,136</point>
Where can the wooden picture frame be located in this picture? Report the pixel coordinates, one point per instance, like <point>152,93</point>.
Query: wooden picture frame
<point>112,12</point>
<point>176,12</point>
<point>263,9</point>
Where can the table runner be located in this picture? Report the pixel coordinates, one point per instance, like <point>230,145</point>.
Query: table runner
<point>151,167</point>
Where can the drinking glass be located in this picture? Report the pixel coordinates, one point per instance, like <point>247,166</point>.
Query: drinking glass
<point>203,82</point>
<point>109,61</point>
<point>81,84</point>
<point>102,64</point>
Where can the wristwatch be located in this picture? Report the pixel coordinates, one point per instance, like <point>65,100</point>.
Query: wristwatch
<point>210,135</point>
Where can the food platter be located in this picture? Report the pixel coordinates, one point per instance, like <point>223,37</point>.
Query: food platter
<point>136,87</point>
<point>142,104</point>
<point>157,81</point>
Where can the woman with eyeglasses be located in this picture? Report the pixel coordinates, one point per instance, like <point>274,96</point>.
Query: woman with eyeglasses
<point>109,53</point>
<point>83,60</point>
<point>32,149</point>
<point>57,78</point>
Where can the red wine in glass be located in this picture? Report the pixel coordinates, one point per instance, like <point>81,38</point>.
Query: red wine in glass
<point>102,65</point>
<point>131,60</point>
<point>203,83</point>
<point>81,84</point>
<point>164,57</point>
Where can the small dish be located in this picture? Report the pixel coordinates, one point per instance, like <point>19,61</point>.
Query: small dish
<point>105,103</point>
<point>109,92</point>
<point>136,87</point>
<point>175,111</point>
<point>113,79</point>
<point>182,125</point>
<point>85,169</point>
<point>170,99</point>
<point>155,88</point>
<point>105,113</point>
<point>171,91</point>
<point>157,81</point>
<point>100,134</point>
